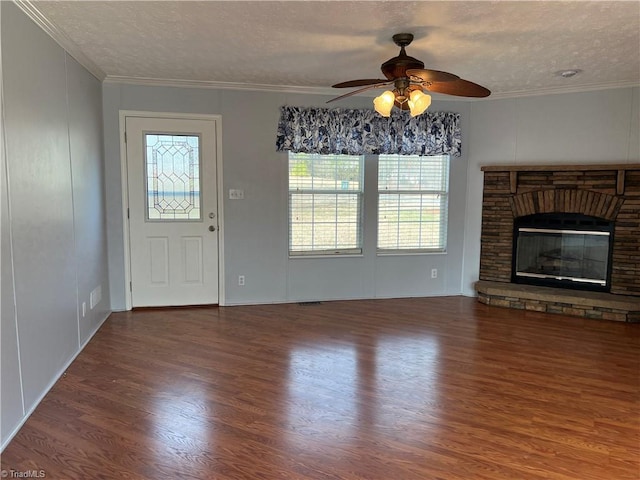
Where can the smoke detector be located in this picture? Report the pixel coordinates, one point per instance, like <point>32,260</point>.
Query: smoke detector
<point>568,73</point>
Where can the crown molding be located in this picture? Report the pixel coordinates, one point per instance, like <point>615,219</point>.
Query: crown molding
<point>31,11</point>
<point>558,90</point>
<point>170,82</point>
<point>161,82</point>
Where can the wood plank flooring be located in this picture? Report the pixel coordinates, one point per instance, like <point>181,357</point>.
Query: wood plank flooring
<point>428,389</point>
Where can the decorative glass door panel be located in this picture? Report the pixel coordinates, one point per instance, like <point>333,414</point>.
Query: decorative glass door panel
<point>172,177</point>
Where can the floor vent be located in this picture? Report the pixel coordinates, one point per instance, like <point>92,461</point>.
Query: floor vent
<point>306,304</point>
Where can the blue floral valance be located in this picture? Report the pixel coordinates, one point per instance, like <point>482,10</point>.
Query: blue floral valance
<point>363,131</point>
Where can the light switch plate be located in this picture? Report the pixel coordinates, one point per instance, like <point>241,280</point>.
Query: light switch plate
<point>235,194</point>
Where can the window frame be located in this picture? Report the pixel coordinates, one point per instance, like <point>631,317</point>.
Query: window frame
<point>443,196</point>
<point>360,192</point>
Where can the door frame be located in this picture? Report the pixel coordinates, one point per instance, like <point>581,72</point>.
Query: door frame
<point>123,114</point>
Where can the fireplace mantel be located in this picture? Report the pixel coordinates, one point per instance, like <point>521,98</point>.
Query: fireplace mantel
<point>610,191</point>
<point>565,167</point>
<point>513,170</point>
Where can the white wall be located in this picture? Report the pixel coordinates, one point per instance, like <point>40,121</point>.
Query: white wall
<point>53,221</point>
<point>255,230</point>
<point>598,126</point>
<point>590,127</point>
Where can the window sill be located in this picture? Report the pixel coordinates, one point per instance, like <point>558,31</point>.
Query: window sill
<point>328,255</point>
<point>408,253</point>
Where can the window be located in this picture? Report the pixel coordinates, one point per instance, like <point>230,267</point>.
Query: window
<point>412,202</point>
<point>326,201</point>
<point>325,204</point>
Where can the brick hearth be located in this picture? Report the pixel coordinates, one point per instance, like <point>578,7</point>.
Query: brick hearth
<point>598,305</point>
<point>611,192</point>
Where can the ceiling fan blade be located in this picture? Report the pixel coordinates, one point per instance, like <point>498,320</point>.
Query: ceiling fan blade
<point>368,87</point>
<point>460,88</point>
<point>430,76</point>
<point>359,83</point>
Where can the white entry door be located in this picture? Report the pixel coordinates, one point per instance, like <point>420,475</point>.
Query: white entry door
<point>173,211</point>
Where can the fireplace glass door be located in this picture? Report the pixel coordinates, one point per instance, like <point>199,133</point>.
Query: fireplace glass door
<point>562,255</point>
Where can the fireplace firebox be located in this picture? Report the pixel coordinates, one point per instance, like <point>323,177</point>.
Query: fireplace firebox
<point>563,250</point>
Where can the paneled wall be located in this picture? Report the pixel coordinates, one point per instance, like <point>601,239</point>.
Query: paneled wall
<point>255,228</point>
<point>54,250</point>
<point>601,126</point>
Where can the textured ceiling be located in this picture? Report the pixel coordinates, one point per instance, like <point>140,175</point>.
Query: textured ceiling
<point>512,48</point>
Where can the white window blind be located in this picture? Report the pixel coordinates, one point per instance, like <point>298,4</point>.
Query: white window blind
<point>325,204</point>
<point>412,203</point>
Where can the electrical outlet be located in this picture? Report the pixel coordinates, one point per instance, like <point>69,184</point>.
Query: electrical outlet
<point>434,273</point>
<point>241,280</point>
<point>84,309</point>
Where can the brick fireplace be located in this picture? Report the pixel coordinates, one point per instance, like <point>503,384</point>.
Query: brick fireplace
<point>607,192</point>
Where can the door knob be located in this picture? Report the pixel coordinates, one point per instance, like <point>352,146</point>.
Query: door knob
<point>212,228</point>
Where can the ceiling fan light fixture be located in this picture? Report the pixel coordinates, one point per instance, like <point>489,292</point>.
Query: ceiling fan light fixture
<point>407,74</point>
<point>418,102</point>
<point>384,103</point>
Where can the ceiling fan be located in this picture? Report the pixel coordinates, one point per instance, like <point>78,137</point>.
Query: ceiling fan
<point>410,79</point>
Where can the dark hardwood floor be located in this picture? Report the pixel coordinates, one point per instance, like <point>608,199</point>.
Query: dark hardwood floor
<point>428,389</point>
